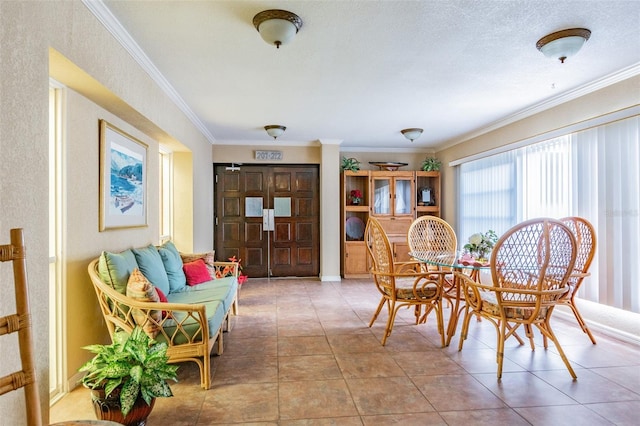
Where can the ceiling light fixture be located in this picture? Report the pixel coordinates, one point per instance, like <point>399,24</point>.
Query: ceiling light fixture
<point>275,130</point>
<point>411,134</point>
<point>277,26</point>
<point>562,44</point>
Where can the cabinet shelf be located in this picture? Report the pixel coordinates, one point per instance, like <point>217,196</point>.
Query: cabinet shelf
<point>359,208</point>
<point>392,197</point>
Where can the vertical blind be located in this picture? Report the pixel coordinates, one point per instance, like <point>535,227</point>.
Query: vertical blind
<point>593,173</point>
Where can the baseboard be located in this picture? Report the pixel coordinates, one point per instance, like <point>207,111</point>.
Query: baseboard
<point>567,315</point>
<point>331,278</point>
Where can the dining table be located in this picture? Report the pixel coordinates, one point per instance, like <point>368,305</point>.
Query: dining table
<point>454,261</point>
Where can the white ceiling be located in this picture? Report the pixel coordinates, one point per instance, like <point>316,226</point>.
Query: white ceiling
<point>360,71</point>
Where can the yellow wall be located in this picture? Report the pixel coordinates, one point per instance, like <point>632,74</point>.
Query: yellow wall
<point>109,85</point>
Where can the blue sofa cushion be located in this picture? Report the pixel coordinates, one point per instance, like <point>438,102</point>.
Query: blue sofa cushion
<point>151,266</point>
<point>173,266</point>
<point>115,269</point>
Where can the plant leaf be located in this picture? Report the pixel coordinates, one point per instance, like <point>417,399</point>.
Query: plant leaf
<point>128,396</point>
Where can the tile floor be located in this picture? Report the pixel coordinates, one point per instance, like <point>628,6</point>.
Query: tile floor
<point>300,353</point>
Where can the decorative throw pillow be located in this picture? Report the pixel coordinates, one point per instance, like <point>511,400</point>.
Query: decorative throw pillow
<point>141,289</point>
<point>208,257</point>
<point>163,299</point>
<point>196,272</point>
<point>173,265</point>
<point>115,268</point>
<point>150,264</point>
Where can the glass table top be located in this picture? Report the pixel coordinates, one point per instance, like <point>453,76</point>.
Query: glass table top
<point>451,259</point>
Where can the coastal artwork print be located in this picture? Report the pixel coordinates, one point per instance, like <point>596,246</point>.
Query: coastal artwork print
<point>123,170</point>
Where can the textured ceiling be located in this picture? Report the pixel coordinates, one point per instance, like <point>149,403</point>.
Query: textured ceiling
<point>360,71</point>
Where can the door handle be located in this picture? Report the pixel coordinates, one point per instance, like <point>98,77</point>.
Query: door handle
<point>268,222</point>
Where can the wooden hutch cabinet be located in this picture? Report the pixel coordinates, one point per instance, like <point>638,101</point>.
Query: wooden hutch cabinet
<point>395,198</point>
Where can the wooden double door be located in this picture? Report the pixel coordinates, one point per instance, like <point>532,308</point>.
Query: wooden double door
<point>268,216</point>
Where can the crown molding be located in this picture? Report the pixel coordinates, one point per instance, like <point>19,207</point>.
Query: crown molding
<point>111,23</point>
<point>618,76</point>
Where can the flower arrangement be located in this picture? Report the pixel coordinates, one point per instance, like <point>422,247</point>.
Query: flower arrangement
<point>480,245</point>
<point>241,277</point>
<point>356,196</point>
<point>229,270</point>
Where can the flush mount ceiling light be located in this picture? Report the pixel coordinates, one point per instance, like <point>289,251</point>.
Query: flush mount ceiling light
<point>274,130</point>
<point>562,44</point>
<point>277,26</point>
<point>411,134</point>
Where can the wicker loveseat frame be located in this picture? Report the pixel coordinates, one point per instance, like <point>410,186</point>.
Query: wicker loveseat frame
<point>190,329</point>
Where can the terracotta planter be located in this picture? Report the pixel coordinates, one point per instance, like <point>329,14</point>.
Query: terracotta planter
<point>109,408</point>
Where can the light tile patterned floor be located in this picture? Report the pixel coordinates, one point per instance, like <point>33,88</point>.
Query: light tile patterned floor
<point>301,353</point>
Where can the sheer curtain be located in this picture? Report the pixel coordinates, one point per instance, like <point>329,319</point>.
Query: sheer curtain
<point>593,173</point>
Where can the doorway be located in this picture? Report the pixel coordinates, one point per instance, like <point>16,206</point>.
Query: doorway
<point>269,217</point>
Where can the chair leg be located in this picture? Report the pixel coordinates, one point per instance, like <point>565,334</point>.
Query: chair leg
<point>545,328</point>
<point>581,322</point>
<point>529,333</point>
<point>392,317</point>
<point>440,321</point>
<point>377,312</point>
<point>500,350</point>
<point>465,326</point>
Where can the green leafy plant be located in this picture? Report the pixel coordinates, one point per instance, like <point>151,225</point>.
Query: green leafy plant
<point>134,363</point>
<point>350,164</point>
<point>431,164</point>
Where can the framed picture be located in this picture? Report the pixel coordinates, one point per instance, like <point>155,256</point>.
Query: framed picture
<point>123,179</point>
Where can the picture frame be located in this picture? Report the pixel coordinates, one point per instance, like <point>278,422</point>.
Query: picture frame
<point>123,179</point>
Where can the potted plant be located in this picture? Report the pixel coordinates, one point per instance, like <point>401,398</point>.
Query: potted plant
<point>126,376</point>
<point>356,197</point>
<point>431,164</point>
<point>350,164</point>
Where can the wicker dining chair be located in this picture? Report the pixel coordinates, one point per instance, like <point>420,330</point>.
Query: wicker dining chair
<point>20,322</point>
<point>431,234</point>
<point>586,239</point>
<point>401,284</point>
<point>530,268</point>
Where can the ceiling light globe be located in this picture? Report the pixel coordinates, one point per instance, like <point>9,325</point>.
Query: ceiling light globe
<point>275,130</point>
<point>277,26</point>
<point>563,44</point>
<point>411,134</point>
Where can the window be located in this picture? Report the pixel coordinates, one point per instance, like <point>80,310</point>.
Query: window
<point>591,173</point>
<point>165,179</point>
<point>56,293</point>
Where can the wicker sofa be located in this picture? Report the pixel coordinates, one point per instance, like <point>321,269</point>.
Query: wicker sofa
<point>193,317</point>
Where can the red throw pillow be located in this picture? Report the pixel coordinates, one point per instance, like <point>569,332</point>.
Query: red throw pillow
<point>161,296</point>
<point>163,299</point>
<point>196,272</point>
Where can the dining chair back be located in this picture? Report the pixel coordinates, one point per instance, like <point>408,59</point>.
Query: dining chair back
<point>401,284</point>
<point>20,323</point>
<point>530,267</point>
<point>431,234</point>
<point>586,239</point>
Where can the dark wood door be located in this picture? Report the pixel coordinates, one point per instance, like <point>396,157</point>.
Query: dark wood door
<point>292,248</point>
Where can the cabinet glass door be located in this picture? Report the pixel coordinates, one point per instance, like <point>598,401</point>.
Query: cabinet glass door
<point>403,193</point>
<point>381,196</point>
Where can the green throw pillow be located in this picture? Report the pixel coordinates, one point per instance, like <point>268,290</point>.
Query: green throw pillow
<point>115,268</point>
<point>151,266</point>
<point>173,265</point>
